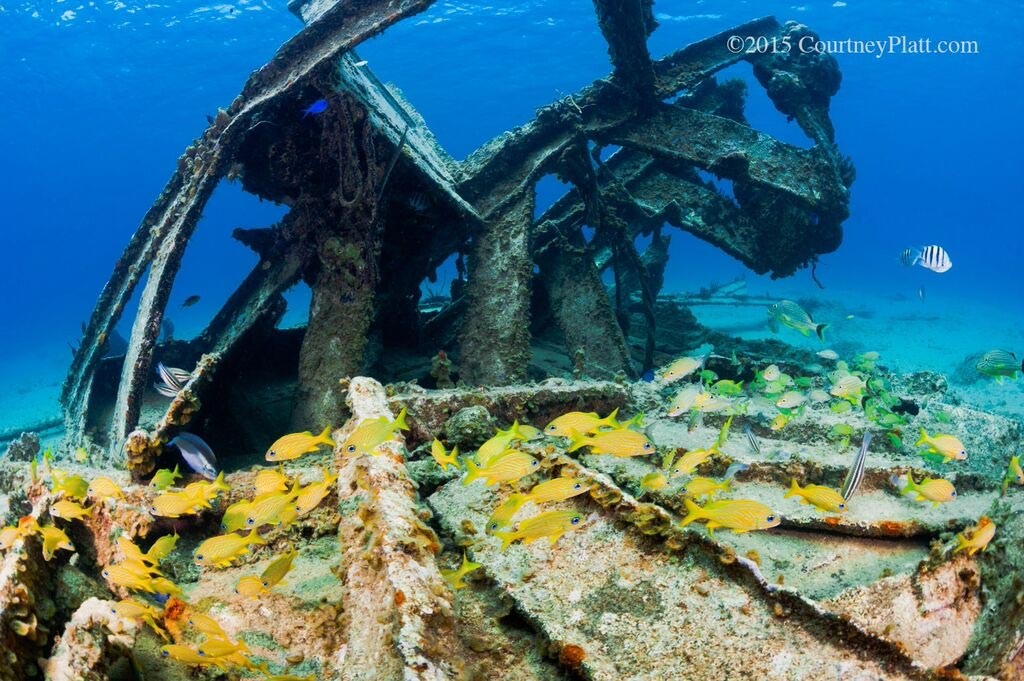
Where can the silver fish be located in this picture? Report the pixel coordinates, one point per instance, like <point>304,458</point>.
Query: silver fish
<point>856,473</point>
<point>197,454</point>
<point>752,439</point>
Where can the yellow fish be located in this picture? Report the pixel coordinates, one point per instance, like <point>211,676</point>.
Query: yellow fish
<point>552,525</point>
<point>249,587</point>
<point>621,443</point>
<point>187,655</point>
<point>133,610</point>
<point>557,489</point>
<point>73,486</point>
<point>105,488</point>
<point>131,551</point>
<point>295,445</point>
<point>275,572</point>
<point>680,369</point>
<point>118,575</point>
<point>455,577</point>
<point>223,550</point>
<point>503,515</point>
<point>976,538</point>
<point>372,433</point>
<point>27,525</point>
<point>204,491</point>
<point>207,625</point>
<point>164,479</point>
<point>690,460</point>
<point>1015,469</point>
<point>499,443</point>
<point>935,490</point>
<point>779,422</point>
<point>825,498</point>
<point>1013,472</point>
<point>579,422</point>
<point>219,647</point>
<point>235,516</point>
<point>507,467</point>
<point>161,548</point>
<point>311,495</point>
<point>738,515</point>
<point>54,539</point>
<point>269,509</point>
<point>69,510</point>
<point>653,482</point>
<point>771,373</point>
<point>444,459</point>
<point>707,487</point>
<point>528,432</point>
<point>947,446</point>
<point>176,504</point>
<point>270,480</point>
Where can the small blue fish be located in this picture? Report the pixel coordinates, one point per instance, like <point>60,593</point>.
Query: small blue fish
<point>317,107</point>
<point>197,454</point>
<point>647,376</point>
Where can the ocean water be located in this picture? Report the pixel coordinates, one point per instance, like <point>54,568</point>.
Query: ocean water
<point>101,97</point>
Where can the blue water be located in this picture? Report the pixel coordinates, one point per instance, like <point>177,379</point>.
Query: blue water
<point>101,97</point>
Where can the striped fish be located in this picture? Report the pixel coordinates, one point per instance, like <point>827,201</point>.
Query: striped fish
<point>999,363</point>
<point>752,440</point>
<point>856,474</point>
<point>932,258</point>
<point>172,380</point>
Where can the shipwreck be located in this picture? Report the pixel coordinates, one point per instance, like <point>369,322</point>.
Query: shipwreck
<point>527,331</point>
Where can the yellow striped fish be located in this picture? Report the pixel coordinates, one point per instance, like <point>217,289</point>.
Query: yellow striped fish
<point>738,515</point>
<point>825,498</point>
<point>507,467</point>
<point>310,496</point>
<point>551,525</point>
<point>558,489</point>
<point>622,443</point>
<point>225,549</point>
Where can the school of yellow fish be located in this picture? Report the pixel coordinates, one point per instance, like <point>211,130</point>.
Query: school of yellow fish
<point>509,458</point>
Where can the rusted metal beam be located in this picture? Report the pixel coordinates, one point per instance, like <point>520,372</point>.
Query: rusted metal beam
<point>505,167</point>
<point>496,333</point>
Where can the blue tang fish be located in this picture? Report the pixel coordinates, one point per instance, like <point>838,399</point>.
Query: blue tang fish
<point>317,107</point>
<point>197,454</point>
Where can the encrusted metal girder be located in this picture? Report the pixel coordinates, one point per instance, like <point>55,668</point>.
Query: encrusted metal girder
<point>625,25</point>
